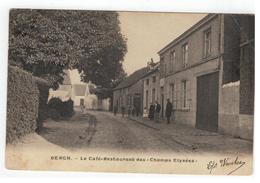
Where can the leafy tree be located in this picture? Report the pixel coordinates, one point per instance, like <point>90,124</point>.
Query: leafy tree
<point>45,42</point>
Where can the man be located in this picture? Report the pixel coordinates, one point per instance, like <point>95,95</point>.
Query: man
<point>168,111</point>
<point>151,112</point>
<point>157,111</point>
<point>115,110</point>
<point>123,111</point>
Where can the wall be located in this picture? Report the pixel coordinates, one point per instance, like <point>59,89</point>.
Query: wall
<point>188,115</point>
<point>195,42</point>
<point>229,110</point>
<point>231,121</point>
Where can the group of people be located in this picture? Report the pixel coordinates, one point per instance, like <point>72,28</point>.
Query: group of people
<point>155,109</point>
<point>131,110</point>
<point>152,114</point>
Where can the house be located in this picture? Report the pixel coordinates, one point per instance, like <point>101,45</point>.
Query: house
<point>129,93</point>
<point>78,94</point>
<point>81,93</point>
<point>64,92</point>
<point>197,70</point>
<point>151,84</point>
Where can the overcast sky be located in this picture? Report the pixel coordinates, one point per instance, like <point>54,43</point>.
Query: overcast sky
<point>147,33</point>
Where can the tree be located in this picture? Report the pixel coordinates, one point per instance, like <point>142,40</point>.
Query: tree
<point>45,42</point>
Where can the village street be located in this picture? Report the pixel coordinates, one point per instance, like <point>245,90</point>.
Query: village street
<point>103,130</point>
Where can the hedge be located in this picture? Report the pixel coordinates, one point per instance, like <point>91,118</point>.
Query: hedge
<point>43,87</point>
<point>22,104</point>
<point>59,109</point>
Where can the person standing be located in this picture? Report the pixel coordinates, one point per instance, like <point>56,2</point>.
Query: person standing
<point>115,110</point>
<point>157,111</point>
<point>151,112</point>
<point>168,111</point>
<point>123,111</point>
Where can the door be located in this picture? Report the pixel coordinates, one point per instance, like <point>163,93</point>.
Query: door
<point>137,104</point>
<point>207,102</point>
<point>81,102</point>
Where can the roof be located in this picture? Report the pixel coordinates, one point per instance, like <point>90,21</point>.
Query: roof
<point>187,32</point>
<point>133,78</point>
<point>79,89</point>
<point>66,78</point>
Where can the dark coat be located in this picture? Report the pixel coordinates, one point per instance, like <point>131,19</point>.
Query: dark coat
<point>158,108</point>
<point>168,111</point>
<point>151,112</point>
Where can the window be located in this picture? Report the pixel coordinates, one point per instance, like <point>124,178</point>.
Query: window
<point>147,81</point>
<point>185,55</point>
<point>184,90</point>
<point>172,60</point>
<point>153,95</point>
<point>162,66</point>
<point>146,99</point>
<point>173,95</point>
<point>154,79</point>
<point>185,100</point>
<point>207,43</point>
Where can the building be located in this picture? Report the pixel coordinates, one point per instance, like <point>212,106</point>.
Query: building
<point>197,70</point>
<point>151,85</point>
<point>80,93</point>
<point>129,93</point>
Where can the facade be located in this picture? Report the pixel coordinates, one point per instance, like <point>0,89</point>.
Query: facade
<point>151,85</point>
<point>129,93</point>
<point>197,67</point>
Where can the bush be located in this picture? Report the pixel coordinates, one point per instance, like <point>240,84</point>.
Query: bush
<point>43,87</point>
<point>22,104</point>
<point>58,109</point>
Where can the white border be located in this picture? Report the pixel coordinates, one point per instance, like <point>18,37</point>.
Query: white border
<point>216,6</point>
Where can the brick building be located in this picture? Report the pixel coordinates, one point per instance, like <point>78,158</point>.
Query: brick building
<point>201,71</point>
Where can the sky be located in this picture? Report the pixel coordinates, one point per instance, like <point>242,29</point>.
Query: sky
<point>147,33</point>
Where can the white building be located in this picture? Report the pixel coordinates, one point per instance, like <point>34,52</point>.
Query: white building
<point>81,93</point>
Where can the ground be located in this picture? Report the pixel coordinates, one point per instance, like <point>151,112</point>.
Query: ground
<point>83,142</point>
<point>103,130</point>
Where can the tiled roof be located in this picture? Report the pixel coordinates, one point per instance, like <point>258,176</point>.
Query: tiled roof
<point>79,89</point>
<point>133,78</point>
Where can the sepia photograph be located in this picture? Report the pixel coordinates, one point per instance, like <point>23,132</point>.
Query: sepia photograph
<point>130,91</point>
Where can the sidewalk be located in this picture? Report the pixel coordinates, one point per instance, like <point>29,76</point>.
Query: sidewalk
<point>196,139</point>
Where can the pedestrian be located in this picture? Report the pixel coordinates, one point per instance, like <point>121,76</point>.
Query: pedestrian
<point>123,111</point>
<point>82,108</point>
<point>157,111</point>
<point>151,112</point>
<point>145,113</point>
<point>115,110</point>
<point>168,111</point>
<point>129,110</point>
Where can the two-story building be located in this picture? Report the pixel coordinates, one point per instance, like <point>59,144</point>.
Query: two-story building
<point>194,68</point>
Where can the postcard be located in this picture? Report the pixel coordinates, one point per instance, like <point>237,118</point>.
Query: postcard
<point>135,92</point>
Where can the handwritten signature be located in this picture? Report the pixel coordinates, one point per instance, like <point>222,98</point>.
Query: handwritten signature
<point>226,162</point>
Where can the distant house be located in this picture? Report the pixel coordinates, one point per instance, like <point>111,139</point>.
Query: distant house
<point>129,93</point>
<point>80,93</point>
<point>64,92</point>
